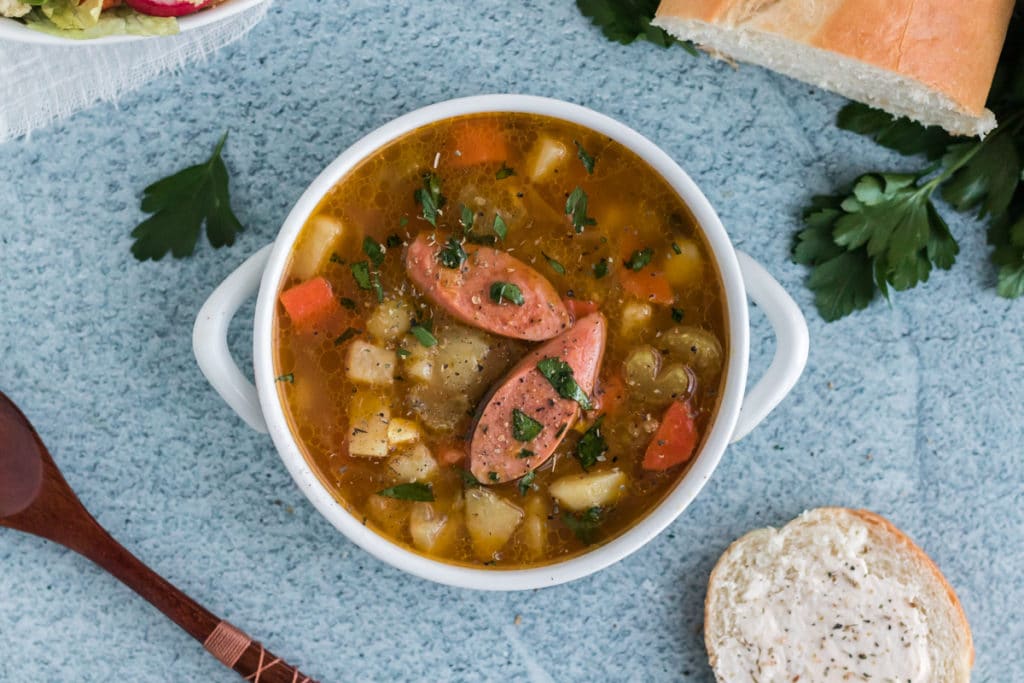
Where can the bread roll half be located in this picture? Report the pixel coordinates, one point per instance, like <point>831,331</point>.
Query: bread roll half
<point>835,595</point>
<point>930,60</point>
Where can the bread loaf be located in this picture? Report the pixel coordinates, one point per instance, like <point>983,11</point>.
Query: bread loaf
<point>835,595</point>
<point>929,60</point>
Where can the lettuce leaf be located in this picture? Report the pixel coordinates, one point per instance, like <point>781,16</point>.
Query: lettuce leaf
<point>112,22</point>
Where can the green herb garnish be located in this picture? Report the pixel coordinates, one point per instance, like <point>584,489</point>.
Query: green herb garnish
<point>600,268</point>
<point>559,373</point>
<point>468,480</point>
<point>411,491</point>
<point>361,274</point>
<point>678,314</point>
<point>525,453</point>
<point>506,291</point>
<point>676,248</point>
<point>424,333</point>
<point>524,427</point>
<point>336,259</point>
<point>290,377</point>
<point>403,353</point>
<point>347,303</point>
<point>393,241</point>
<point>373,250</point>
<point>181,204</point>
<point>585,525</point>
<point>639,259</point>
<point>555,265</point>
<point>346,335</point>
<point>500,228</point>
<point>627,20</point>
<point>526,482</point>
<point>504,172</point>
<point>588,161</point>
<point>466,218</point>
<point>576,206</point>
<point>452,255</point>
<point>493,476</point>
<point>430,198</point>
<point>591,445</point>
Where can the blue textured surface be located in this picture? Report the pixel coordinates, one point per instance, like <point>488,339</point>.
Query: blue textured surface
<point>913,411</point>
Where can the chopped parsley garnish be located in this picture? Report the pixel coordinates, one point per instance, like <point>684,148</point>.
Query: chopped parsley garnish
<point>524,427</point>
<point>676,248</point>
<point>290,377</point>
<point>526,482</point>
<point>677,314</point>
<point>506,291</point>
<point>576,206</point>
<point>466,218</point>
<point>347,303</point>
<point>336,259</point>
<point>640,258</point>
<point>525,453</point>
<point>588,161</point>
<point>393,241</point>
<point>346,335</point>
<point>430,198</point>
<point>403,353</point>
<point>452,255</point>
<point>555,265</point>
<point>493,476</point>
<point>559,373</point>
<point>367,280</point>
<point>591,445</point>
<point>625,22</point>
<point>584,525</point>
<point>500,227</point>
<point>468,480</point>
<point>561,430</point>
<point>504,172</point>
<point>410,491</point>
<point>403,221</point>
<point>424,333</point>
<point>181,204</point>
<point>373,250</point>
<point>600,268</point>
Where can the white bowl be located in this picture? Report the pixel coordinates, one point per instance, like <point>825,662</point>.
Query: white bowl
<point>16,31</point>
<point>260,407</point>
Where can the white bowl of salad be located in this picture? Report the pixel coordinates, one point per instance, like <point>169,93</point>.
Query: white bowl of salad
<point>86,22</point>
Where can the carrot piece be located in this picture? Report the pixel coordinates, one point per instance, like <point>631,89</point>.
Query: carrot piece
<point>578,309</point>
<point>310,304</point>
<point>451,455</point>
<point>478,141</point>
<point>674,442</point>
<point>611,394</point>
<point>649,285</point>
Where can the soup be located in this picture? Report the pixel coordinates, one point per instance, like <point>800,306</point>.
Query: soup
<point>500,340</point>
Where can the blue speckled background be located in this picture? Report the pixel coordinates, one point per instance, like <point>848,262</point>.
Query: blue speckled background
<point>913,410</point>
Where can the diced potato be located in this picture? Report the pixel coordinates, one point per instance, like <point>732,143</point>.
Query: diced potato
<point>535,525</point>
<point>650,380</point>
<point>418,366</point>
<point>416,464</point>
<point>390,514</point>
<point>594,489</point>
<point>369,415</point>
<point>390,320</point>
<point>545,156</point>
<point>402,432</point>
<point>635,316</point>
<point>698,348</point>
<point>320,236</point>
<point>461,358</point>
<point>370,364</point>
<point>436,408</point>
<point>491,520</point>
<point>686,268</point>
<point>433,530</point>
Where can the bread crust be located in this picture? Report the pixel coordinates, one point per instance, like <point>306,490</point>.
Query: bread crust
<point>951,47</point>
<point>883,527</point>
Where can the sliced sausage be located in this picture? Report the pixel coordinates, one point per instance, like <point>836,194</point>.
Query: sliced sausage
<point>495,455</point>
<point>465,292</point>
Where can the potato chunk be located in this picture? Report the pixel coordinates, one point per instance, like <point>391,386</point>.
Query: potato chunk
<point>370,364</point>
<point>389,514</point>
<point>491,520</point>
<point>635,317</point>
<point>416,464</point>
<point>321,235</point>
<point>593,489</point>
<point>402,432</point>
<point>686,268</point>
<point>545,156</point>
<point>369,415</point>
<point>433,530</point>
<point>390,320</point>
<point>535,525</point>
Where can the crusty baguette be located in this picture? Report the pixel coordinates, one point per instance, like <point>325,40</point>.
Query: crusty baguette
<point>835,595</point>
<point>930,60</point>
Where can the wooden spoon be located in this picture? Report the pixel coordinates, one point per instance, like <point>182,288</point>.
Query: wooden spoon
<point>34,498</point>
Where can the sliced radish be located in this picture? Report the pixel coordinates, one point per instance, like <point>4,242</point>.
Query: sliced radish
<point>167,8</point>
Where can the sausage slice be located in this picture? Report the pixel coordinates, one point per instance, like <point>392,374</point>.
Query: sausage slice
<point>495,455</point>
<point>465,291</point>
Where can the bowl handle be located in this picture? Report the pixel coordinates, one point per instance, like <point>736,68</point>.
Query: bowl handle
<point>210,339</point>
<point>791,343</point>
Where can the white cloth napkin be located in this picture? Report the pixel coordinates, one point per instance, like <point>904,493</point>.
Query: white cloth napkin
<point>40,84</point>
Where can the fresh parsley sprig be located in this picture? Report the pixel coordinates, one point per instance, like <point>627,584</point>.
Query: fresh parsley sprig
<point>627,20</point>
<point>181,203</point>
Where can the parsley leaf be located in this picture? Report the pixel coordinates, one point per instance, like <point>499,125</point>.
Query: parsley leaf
<point>639,259</point>
<point>576,206</point>
<point>430,198</point>
<point>468,480</point>
<point>526,482</point>
<point>393,241</point>
<point>588,161</point>
<point>346,335</point>
<point>506,291</point>
<point>555,265</point>
<point>466,218</point>
<point>591,445</point>
<point>989,175</point>
<point>560,375</point>
<point>500,228</point>
<point>181,204</point>
<point>424,333</point>
<point>504,172</point>
<point>373,250</point>
<point>584,525</point>
<point>361,274</point>
<point>901,134</point>
<point>525,453</point>
<point>1006,235</point>
<point>290,378</point>
<point>600,268</point>
<point>627,20</point>
<point>410,491</point>
<point>452,255</point>
<point>524,427</point>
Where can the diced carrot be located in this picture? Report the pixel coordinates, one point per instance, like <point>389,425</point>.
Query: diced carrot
<point>578,309</point>
<point>311,304</point>
<point>478,141</point>
<point>648,285</point>
<point>674,442</point>
<point>451,455</point>
<point>611,394</point>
